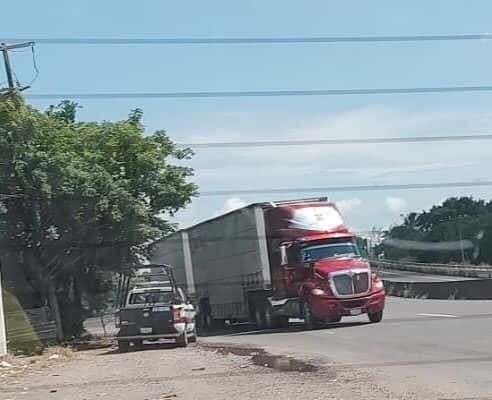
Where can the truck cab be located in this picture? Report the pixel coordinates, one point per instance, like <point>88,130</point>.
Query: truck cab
<point>330,279</point>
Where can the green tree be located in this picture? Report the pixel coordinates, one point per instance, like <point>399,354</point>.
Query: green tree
<point>462,218</point>
<point>83,199</point>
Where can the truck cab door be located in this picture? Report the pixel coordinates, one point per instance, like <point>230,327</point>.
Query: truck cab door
<point>293,271</point>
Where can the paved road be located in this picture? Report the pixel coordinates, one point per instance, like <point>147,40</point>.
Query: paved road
<point>442,346</point>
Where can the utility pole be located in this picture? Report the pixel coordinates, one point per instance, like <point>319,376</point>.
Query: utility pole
<point>8,67</point>
<point>3,334</point>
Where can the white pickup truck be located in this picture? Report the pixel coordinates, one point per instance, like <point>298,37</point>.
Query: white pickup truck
<point>155,310</point>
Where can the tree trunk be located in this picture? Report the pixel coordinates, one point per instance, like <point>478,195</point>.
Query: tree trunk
<point>55,309</point>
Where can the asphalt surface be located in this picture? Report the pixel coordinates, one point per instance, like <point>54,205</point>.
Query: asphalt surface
<point>435,346</point>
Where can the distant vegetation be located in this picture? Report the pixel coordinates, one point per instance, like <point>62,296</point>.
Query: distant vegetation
<point>462,218</point>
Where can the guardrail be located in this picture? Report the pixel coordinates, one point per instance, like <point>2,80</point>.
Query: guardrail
<point>454,290</point>
<point>467,271</point>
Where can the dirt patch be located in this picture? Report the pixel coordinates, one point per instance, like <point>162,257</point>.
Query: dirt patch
<point>92,342</point>
<point>12,366</point>
<point>262,358</point>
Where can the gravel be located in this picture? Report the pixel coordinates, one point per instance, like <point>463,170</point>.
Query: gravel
<point>165,372</point>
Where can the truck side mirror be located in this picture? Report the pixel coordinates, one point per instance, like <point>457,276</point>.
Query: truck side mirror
<point>283,255</point>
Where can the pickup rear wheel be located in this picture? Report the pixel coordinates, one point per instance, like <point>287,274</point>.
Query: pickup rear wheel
<point>182,341</point>
<point>273,321</point>
<point>123,346</point>
<point>375,317</point>
<point>194,336</point>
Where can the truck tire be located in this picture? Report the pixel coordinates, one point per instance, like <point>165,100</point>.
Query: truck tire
<point>182,341</point>
<point>282,321</point>
<point>259,317</point>
<point>204,319</point>
<point>123,346</point>
<point>338,318</point>
<point>310,321</point>
<point>273,321</point>
<point>138,344</point>
<point>375,317</point>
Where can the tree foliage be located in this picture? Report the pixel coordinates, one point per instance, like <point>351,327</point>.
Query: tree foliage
<point>456,219</point>
<point>82,199</point>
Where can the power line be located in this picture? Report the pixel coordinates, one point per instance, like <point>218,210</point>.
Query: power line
<point>260,93</point>
<point>359,188</point>
<point>255,40</point>
<point>310,142</point>
<point>327,189</point>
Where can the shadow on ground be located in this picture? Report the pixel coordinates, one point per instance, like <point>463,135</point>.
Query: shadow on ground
<point>249,329</point>
<point>144,347</point>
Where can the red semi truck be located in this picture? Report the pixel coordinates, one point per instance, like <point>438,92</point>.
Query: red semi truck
<point>268,262</point>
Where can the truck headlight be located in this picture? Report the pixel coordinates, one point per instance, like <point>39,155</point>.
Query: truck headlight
<point>378,285</point>
<point>318,292</point>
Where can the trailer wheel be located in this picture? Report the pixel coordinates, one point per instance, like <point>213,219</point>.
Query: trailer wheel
<point>123,346</point>
<point>271,321</point>
<point>259,317</point>
<point>375,317</point>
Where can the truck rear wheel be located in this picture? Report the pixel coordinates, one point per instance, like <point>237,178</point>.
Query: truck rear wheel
<point>123,346</point>
<point>273,321</point>
<point>375,317</point>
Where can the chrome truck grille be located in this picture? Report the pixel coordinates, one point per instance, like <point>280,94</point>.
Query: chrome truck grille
<point>351,282</point>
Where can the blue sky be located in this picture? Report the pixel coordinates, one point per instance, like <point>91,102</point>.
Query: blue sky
<point>83,68</point>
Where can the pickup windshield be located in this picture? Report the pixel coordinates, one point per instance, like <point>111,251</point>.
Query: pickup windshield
<point>330,250</point>
<point>152,297</point>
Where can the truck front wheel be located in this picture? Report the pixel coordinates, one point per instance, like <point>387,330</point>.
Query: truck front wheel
<point>310,321</point>
<point>376,317</point>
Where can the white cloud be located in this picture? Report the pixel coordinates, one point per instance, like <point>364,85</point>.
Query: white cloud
<point>231,204</point>
<point>396,205</point>
<point>297,167</point>
<point>347,205</point>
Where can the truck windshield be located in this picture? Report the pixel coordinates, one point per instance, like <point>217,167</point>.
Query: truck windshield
<point>330,250</point>
<point>152,297</point>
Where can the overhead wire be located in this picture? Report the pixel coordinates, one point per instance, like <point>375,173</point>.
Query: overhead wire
<point>253,40</point>
<point>262,93</point>
<point>35,66</point>
<point>355,188</point>
<point>310,142</point>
